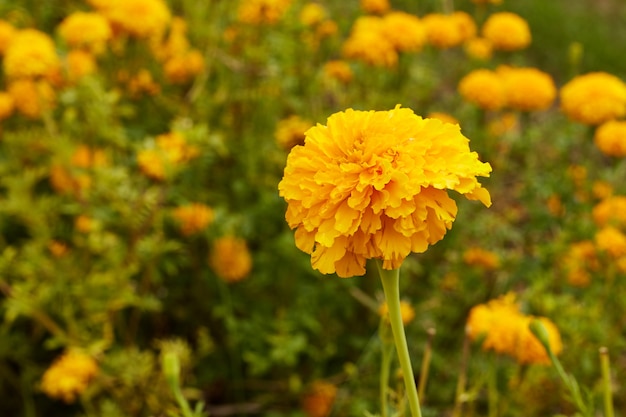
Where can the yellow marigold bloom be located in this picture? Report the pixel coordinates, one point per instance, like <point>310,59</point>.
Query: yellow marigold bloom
<point>487,1</point>
<point>257,12</point>
<point>373,184</point>
<point>138,18</point>
<point>143,83</point>
<point>176,147</point>
<point>30,54</point>
<point>442,30</point>
<point>7,105</point>
<point>176,42</point>
<point>579,261</point>
<point>152,163</point>
<point>87,157</point>
<point>32,98</point>
<point>368,43</point>
<point>182,68</point>
<point>57,248</point>
<point>602,189</point>
<point>594,98</point>
<point>319,399</point>
<point>478,48</point>
<point>290,131</point>
<point>527,89</point>
<point>405,31</point>
<point>193,218</point>
<point>610,211</point>
<point>69,376</point>
<point>375,6</point>
<point>171,150</point>
<point>611,240</point>
<point>7,32</point>
<point>555,205</point>
<point>483,88</point>
<point>312,14</point>
<point>80,64</point>
<point>230,259</point>
<point>88,31</point>
<point>529,348</point>
<point>444,117</point>
<point>65,182</point>
<point>498,321</point>
<point>610,138</point>
<point>482,258</point>
<point>338,70</point>
<point>507,31</point>
<point>406,312</point>
<point>84,224</point>
<point>466,25</point>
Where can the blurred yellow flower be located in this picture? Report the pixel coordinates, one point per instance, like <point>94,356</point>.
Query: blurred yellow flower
<point>69,376</point>
<point>612,241</point>
<point>375,6</point>
<point>57,248</point>
<point>527,89</point>
<point>193,218</point>
<point>529,348</point>
<point>405,31</point>
<point>7,32</point>
<point>373,184</point>
<point>257,12</point>
<point>230,259</point>
<point>137,18</point>
<point>338,70</point>
<point>594,98</point>
<point>80,64</point>
<point>610,138</point>
<point>601,189</point>
<point>312,14</point>
<point>610,211</point>
<point>466,24</point>
<point>482,258</point>
<point>32,98</point>
<point>368,43</point>
<point>483,88</point>
<point>503,124</point>
<point>579,261</point>
<point>143,83</point>
<point>182,68</point>
<point>444,117</point>
<point>442,30</point>
<point>171,150</point>
<point>507,31</point>
<point>319,399</point>
<point>88,157</point>
<point>31,54</point>
<point>555,205</point>
<point>152,163</point>
<point>176,42</point>
<point>88,31</point>
<point>84,224</point>
<point>7,105</point>
<point>478,48</point>
<point>64,182</point>
<point>290,131</point>
<point>406,312</point>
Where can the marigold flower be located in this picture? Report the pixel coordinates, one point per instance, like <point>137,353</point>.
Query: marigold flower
<point>507,31</point>
<point>610,211</point>
<point>30,54</point>
<point>602,190</point>
<point>290,131</point>
<point>137,18</point>
<point>65,182</point>
<point>478,48</point>
<point>579,261</point>
<point>407,312</point>
<point>230,259</point>
<point>444,117</point>
<point>152,163</point>
<point>373,184</point>
<point>182,68</point>
<point>466,24</point>
<point>57,248</point>
<point>319,399</point>
<point>405,31</point>
<point>610,138</point>
<point>503,124</point>
<point>594,98</point>
<point>88,157</point>
<point>487,1</point>
<point>7,32</point>
<point>171,151</point>
<point>527,89</point>
<point>312,14</point>
<point>367,42</point>
<point>482,258</point>
<point>193,218</point>
<point>80,64</point>
<point>612,241</point>
<point>176,42</point>
<point>84,224</point>
<point>483,88</point>
<point>555,205</point>
<point>442,30</point>
<point>69,376</point>
<point>7,105</point>
<point>143,83</point>
<point>257,12</point>
<point>375,6</point>
<point>32,98</point>
<point>88,31</point>
<point>529,348</point>
<point>338,70</point>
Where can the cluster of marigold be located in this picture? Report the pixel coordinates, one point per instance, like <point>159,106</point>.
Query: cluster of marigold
<point>504,329</point>
<point>35,71</point>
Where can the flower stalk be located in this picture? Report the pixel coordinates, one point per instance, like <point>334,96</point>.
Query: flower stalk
<point>606,382</point>
<point>391,286</point>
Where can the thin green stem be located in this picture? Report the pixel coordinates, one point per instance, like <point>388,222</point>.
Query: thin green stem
<point>384,377</point>
<point>606,382</point>
<point>391,286</point>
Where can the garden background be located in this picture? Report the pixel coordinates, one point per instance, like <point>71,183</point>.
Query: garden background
<point>146,267</point>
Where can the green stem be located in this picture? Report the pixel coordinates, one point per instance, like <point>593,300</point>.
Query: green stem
<point>384,377</point>
<point>606,382</point>
<point>391,286</point>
